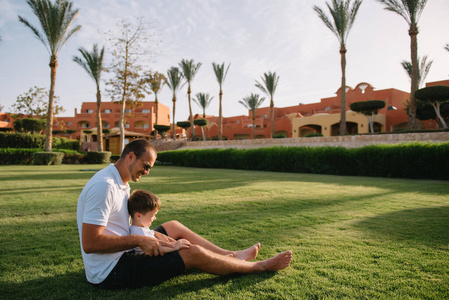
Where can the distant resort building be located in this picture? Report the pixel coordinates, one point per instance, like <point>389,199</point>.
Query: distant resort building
<point>322,117</point>
<point>294,121</point>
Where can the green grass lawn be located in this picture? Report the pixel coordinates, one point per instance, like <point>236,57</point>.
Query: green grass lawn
<point>352,237</point>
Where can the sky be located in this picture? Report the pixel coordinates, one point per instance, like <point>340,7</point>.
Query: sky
<point>254,36</point>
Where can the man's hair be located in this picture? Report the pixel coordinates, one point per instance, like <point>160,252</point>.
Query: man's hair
<point>142,202</point>
<point>138,146</point>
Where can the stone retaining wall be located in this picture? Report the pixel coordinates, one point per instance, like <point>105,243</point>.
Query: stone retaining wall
<point>350,141</point>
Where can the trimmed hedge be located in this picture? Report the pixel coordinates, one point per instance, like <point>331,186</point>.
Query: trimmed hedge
<point>10,156</point>
<point>48,158</point>
<point>98,157</point>
<point>26,140</point>
<point>413,160</point>
<point>13,156</point>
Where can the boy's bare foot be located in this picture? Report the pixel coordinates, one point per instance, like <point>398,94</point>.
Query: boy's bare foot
<point>248,254</point>
<point>278,262</point>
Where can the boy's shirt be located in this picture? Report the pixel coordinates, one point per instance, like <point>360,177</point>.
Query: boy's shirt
<point>137,230</point>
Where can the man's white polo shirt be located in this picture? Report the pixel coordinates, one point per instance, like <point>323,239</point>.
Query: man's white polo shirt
<point>104,202</point>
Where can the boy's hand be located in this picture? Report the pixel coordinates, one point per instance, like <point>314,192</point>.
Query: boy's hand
<point>181,244</point>
<point>153,247</point>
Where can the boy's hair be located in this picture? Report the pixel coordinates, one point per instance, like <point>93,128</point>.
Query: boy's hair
<point>142,202</point>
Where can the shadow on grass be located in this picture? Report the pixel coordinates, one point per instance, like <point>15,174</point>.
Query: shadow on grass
<point>74,286</point>
<point>427,226</point>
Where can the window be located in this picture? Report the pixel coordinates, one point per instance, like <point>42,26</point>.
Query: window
<point>127,111</point>
<point>69,123</point>
<point>107,111</point>
<point>89,111</point>
<point>265,116</point>
<point>146,111</point>
<point>127,125</point>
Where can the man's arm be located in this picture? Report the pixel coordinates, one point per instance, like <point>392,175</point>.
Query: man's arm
<point>94,241</point>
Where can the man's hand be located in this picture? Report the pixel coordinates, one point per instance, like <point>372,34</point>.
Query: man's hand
<point>163,237</point>
<point>153,247</point>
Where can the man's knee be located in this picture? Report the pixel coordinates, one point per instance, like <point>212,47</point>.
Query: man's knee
<point>193,256</point>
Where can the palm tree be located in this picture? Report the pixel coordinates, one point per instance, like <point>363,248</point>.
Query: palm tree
<point>220,73</point>
<point>252,103</point>
<point>447,47</point>
<point>174,82</point>
<point>343,17</point>
<point>189,70</point>
<point>270,82</point>
<point>56,20</point>
<point>423,69</point>
<point>156,82</point>
<point>410,10</point>
<point>203,100</point>
<point>92,62</point>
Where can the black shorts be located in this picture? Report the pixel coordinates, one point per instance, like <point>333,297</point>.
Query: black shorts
<point>135,270</point>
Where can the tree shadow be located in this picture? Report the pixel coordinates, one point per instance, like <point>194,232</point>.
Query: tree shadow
<point>428,226</point>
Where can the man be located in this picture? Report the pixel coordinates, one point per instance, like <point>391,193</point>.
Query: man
<point>103,225</point>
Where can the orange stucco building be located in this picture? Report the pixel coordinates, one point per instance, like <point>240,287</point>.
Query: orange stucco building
<point>293,121</point>
<point>140,119</point>
<point>321,117</point>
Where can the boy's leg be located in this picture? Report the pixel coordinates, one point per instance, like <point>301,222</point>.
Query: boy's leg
<point>177,231</point>
<point>197,257</point>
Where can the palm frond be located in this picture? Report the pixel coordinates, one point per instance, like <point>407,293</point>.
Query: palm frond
<point>220,72</point>
<point>55,20</point>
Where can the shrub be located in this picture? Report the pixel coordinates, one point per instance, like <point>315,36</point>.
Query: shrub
<point>48,158</point>
<point>33,125</point>
<point>27,140</point>
<point>279,136</point>
<point>412,160</point>
<point>10,156</point>
<point>313,134</point>
<point>98,157</point>
<point>114,158</point>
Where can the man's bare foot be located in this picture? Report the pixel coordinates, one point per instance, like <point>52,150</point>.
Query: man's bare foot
<point>278,262</point>
<point>248,254</point>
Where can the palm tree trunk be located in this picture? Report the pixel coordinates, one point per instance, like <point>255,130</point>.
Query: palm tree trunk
<point>174,124</point>
<point>220,118</point>
<point>343,91</point>
<point>49,127</point>
<point>192,128</point>
<point>413,32</point>
<point>99,122</point>
<point>272,117</point>
<point>157,112</point>
<point>254,123</point>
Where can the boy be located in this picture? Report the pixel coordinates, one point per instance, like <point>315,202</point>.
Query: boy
<point>143,207</point>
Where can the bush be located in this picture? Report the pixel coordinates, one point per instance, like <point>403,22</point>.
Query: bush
<point>72,156</point>
<point>279,136</point>
<point>33,125</point>
<point>10,156</point>
<point>98,157</point>
<point>413,160</point>
<point>114,158</point>
<point>313,134</point>
<point>48,158</point>
<point>27,140</point>
<point>14,156</point>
